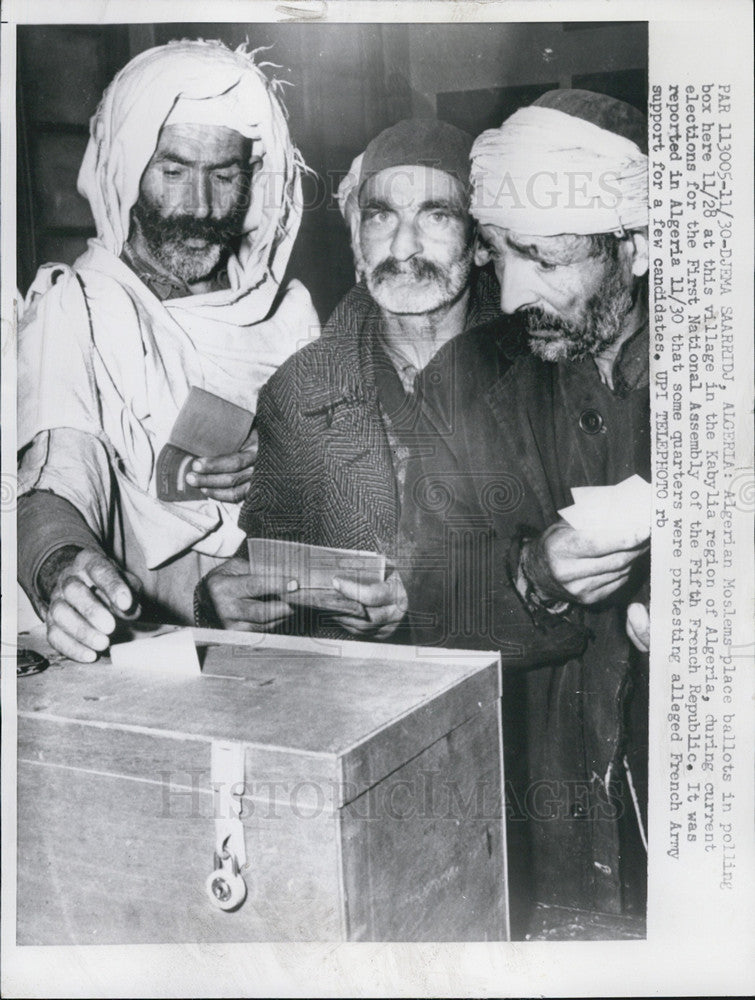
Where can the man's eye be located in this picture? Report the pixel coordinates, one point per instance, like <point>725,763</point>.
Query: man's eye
<point>375,215</point>
<point>438,217</point>
<point>225,178</point>
<point>172,172</point>
<point>545,265</point>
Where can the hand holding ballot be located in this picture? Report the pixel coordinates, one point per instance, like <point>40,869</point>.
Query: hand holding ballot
<point>249,602</point>
<point>384,603</point>
<point>89,594</point>
<point>590,554</point>
<point>347,585</point>
<point>211,451</point>
<point>225,477</point>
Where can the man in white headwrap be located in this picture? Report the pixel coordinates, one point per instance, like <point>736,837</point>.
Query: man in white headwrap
<point>559,192</point>
<point>194,185</point>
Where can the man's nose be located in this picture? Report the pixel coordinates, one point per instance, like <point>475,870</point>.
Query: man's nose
<point>517,286</point>
<point>200,195</point>
<point>406,242</point>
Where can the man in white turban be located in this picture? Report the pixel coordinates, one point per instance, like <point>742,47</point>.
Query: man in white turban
<point>559,192</point>
<point>195,190</point>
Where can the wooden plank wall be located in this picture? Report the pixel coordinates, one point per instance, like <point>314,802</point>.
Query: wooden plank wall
<point>62,72</point>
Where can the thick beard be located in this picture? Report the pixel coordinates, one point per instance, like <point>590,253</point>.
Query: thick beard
<point>417,286</point>
<point>166,240</point>
<point>600,326</point>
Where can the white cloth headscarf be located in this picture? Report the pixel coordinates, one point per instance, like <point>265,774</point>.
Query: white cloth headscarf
<point>124,134</point>
<point>545,172</point>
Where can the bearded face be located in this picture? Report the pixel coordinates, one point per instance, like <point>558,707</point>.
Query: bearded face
<point>598,324</point>
<point>193,199</point>
<point>572,299</point>
<point>414,246</point>
<point>186,247</point>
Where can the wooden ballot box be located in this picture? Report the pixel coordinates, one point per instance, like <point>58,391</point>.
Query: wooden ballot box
<point>295,790</point>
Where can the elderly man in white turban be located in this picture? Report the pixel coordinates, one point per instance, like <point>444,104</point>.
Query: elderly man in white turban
<point>560,197</point>
<point>194,187</point>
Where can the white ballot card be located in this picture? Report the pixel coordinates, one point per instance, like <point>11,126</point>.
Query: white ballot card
<point>622,509</point>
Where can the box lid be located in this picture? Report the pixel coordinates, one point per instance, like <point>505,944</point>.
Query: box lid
<point>341,713</point>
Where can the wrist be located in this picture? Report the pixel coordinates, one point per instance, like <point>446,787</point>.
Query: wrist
<point>536,583</point>
<point>48,573</point>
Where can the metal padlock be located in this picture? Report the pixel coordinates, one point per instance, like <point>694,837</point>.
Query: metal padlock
<point>226,886</point>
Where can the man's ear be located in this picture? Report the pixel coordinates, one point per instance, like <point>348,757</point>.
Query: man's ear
<point>481,252</point>
<point>639,251</point>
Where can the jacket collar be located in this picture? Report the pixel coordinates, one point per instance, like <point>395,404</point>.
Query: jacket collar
<point>631,369</point>
<point>341,369</point>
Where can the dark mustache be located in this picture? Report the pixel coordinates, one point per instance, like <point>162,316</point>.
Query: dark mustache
<point>416,267</point>
<point>186,227</point>
<point>537,319</point>
<point>178,228</point>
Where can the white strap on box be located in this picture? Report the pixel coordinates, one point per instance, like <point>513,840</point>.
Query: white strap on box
<point>227,779</point>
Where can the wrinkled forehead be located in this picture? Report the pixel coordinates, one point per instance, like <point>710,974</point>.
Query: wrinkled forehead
<point>566,248</point>
<point>413,185</point>
<point>198,143</point>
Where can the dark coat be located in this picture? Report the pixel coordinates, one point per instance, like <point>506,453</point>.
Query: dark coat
<point>508,446</point>
<point>326,469</point>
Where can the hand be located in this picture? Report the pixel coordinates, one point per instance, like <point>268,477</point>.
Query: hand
<point>587,566</point>
<point>638,626</point>
<point>225,477</point>
<point>237,596</point>
<point>385,604</point>
<point>90,592</point>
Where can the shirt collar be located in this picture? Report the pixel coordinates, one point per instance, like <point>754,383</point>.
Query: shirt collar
<point>631,369</point>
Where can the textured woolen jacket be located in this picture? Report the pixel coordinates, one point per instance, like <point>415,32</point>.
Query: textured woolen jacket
<point>326,470</point>
<point>329,448</point>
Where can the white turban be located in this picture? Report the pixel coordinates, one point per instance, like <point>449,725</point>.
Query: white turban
<point>200,82</point>
<point>545,172</point>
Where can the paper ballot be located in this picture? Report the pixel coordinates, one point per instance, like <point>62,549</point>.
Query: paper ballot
<point>207,426</point>
<point>173,654</point>
<point>313,567</point>
<point>621,510</point>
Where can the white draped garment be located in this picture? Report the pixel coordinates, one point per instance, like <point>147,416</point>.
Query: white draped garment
<point>99,353</point>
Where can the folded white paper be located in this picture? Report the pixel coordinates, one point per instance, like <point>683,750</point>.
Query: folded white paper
<point>622,510</point>
<point>173,654</point>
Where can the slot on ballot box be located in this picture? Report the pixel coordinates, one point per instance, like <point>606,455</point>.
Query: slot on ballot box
<point>293,790</point>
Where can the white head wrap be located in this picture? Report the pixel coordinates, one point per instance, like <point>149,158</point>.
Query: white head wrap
<point>348,201</point>
<point>199,82</point>
<point>545,172</point>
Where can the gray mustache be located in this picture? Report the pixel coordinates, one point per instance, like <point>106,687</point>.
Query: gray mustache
<point>416,267</point>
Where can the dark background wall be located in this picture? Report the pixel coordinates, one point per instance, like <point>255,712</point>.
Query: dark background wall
<point>349,81</point>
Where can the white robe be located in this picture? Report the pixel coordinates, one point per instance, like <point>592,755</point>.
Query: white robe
<point>100,354</point>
